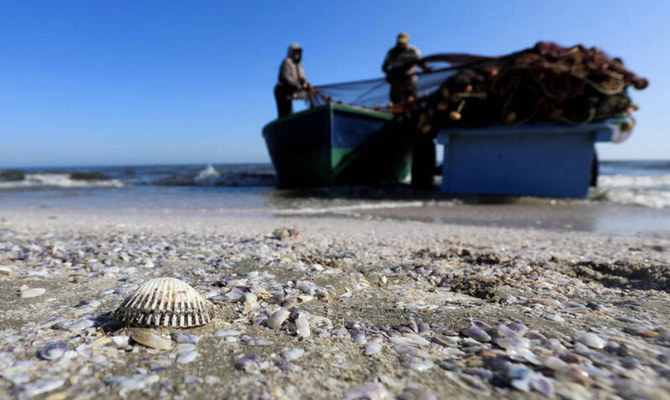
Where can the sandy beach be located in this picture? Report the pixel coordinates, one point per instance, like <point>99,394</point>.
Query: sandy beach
<point>396,309</point>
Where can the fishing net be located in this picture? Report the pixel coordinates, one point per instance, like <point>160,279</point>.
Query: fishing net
<point>374,93</point>
<point>543,84</point>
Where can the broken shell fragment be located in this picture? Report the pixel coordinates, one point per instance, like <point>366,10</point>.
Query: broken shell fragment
<point>164,302</point>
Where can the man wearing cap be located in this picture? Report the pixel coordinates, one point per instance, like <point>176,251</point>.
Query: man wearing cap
<point>400,69</point>
<point>291,80</point>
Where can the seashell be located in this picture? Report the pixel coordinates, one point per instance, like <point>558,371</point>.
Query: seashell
<point>86,307</point>
<point>304,298</point>
<point>518,327</point>
<point>101,342</point>
<point>555,363</point>
<point>133,382</point>
<point>374,347</point>
<point>227,332</point>
<point>476,333</point>
<point>535,335</point>
<point>190,379</point>
<point>149,339</point>
<point>482,325</point>
<point>366,391</point>
<point>416,393</point>
<point>574,374</point>
<point>542,385</point>
<point>292,354</point>
<point>81,325</point>
<point>121,341</point>
<point>410,339</point>
<point>631,363</point>
<point>288,366</point>
<point>302,327</point>
<point>42,386</point>
<point>27,293</point>
<point>52,351</point>
<point>524,354</point>
<point>447,365</point>
<point>469,382</point>
<point>320,322</point>
<point>250,303</point>
<point>573,308</point>
<point>181,337</point>
<point>505,332</point>
<point>249,341</point>
<point>592,340</point>
<point>553,317</point>
<point>513,343</point>
<point>519,376</point>
<point>247,362</point>
<point>184,347</point>
<point>422,327</point>
<point>186,357</point>
<point>277,318</point>
<point>595,306</point>
<point>164,302</point>
<point>359,337</point>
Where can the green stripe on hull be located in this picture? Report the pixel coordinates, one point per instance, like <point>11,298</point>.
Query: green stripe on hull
<point>351,165</point>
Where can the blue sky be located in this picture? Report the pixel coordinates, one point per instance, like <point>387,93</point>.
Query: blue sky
<point>139,82</point>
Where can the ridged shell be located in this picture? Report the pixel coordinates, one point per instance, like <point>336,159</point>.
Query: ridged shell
<point>164,302</point>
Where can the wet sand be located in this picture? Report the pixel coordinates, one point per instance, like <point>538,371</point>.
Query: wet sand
<point>408,309</point>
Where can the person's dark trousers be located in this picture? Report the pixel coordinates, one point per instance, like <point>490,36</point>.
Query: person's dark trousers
<point>402,88</point>
<point>595,170</point>
<point>284,101</point>
<point>423,161</point>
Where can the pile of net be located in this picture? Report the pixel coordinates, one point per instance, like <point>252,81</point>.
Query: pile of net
<point>543,84</point>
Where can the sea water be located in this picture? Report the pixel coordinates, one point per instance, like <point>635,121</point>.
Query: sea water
<point>632,197</point>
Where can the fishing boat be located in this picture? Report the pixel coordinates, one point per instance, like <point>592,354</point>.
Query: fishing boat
<point>334,144</point>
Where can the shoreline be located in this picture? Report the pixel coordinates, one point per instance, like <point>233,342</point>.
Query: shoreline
<point>406,308</point>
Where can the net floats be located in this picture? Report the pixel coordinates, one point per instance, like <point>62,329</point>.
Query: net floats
<point>164,302</point>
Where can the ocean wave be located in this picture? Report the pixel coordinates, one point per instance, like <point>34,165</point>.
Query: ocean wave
<point>658,182</point>
<point>21,180</point>
<point>210,176</point>
<point>636,197</point>
<point>207,177</point>
<point>348,208</point>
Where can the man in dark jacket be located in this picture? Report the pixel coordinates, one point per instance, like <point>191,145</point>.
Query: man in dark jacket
<point>291,80</point>
<point>400,69</point>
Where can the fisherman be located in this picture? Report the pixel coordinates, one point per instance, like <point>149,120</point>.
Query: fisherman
<point>291,81</point>
<point>400,69</point>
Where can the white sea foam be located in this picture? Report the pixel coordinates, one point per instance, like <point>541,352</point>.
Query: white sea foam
<point>208,176</point>
<point>349,208</point>
<point>60,180</point>
<point>638,197</point>
<point>661,182</point>
<point>640,190</point>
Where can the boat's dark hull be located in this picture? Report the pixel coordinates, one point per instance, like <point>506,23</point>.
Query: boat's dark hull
<point>338,145</point>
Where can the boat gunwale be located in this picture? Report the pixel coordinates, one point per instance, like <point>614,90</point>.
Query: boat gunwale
<point>333,108</point>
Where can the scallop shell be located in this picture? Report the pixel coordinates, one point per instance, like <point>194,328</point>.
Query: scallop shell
<point>164,302</point>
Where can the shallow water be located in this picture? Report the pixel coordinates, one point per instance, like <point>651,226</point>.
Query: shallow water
<point>633,198</point>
